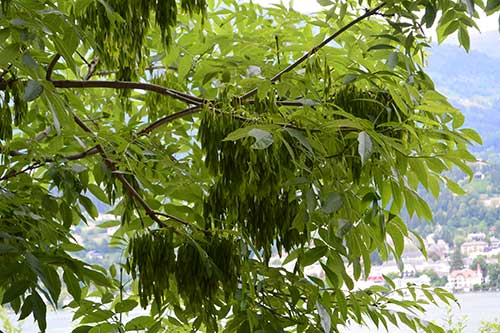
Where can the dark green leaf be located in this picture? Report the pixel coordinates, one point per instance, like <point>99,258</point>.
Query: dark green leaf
<point>32,91</point>
<point>39,311</point>
<point>332,204</point>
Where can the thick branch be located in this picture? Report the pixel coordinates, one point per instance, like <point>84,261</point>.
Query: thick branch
<point>317,48</point>
<point>130,85</point>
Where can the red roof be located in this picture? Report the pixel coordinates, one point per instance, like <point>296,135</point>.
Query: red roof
<point>376,278</point>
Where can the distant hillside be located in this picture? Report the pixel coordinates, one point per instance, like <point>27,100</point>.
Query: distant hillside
<point>472,82</point>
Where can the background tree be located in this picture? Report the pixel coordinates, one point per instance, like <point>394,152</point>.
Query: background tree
<point>481,261</point>
<point>220,139</point>
<point>456,260</point>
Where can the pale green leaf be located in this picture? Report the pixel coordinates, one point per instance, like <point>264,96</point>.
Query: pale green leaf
<point>365,146</point>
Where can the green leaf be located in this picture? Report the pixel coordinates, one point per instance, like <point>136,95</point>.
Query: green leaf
<point>39,311</point>
<point>365,146</point>
<point>492,6</point>
<point>32,91</point>
<point>105,328</point>
<point>325,2</point>
<point>9,53</point>
<point>125,305</point>
<point>397,238</point>
<point>463,38</point>
<point>325,319</point>
<point>81,5</point>
<point>392,61</point>
<point>332,204</point>
<point>72,285</point>
<point>82,329</point>
<point>454,187</point>
<point>381,47</point>
<point>15,290</point>
<point>350,78</point>
<point>52,282</point>
<point>263,139</point>
<point>139,323</point>
<point>473,135</point>
<point>72,247</point>
<point>27,308</point>
<point>98,193</point>
<point>313,255</point>
<point>430,15</point>
<point>301,138</point>
<point>89,206</point>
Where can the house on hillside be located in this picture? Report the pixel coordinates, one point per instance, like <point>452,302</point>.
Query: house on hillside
<point>473,247</point>
<point>464,279</point>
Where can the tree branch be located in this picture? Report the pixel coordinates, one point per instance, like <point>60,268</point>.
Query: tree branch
<point>167,119</point>
<point>117,84</point>
<point>50,68</point>
<point>317,48</point>
<point>16,173</point>
<point>126,184</point>
<point>149,68</point>
<point>131,85</point>
<point>91,68</point>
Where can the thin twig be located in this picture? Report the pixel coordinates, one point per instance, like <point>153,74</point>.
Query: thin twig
<point>317,48</point>
<point>92,67</point>
<point>149,68</point>
<point>89,152</point>
<point>83,58</point>
<point>16,173</point>
<point>50,68</point>
<point>168,119</point>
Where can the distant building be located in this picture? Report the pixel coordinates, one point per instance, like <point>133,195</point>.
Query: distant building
<point>372,280</point>
<point>473,248</point>
<point>465,279</point>
<point>494,242</point>
<point>476,236</point>
<point>478,175</point>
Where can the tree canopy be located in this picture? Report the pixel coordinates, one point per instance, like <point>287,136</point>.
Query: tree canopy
<point>222,134</point>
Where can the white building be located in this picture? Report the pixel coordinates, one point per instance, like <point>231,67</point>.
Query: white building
<point>464,279</point>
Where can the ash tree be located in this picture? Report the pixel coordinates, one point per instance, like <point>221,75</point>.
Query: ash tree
<point>222,135</point>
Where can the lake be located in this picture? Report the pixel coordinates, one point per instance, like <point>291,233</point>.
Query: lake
<point>476,307</point>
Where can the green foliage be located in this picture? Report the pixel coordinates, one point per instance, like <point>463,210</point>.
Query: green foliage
<point>7,325</point>
<point>436,280</point>
<point>481,261</point>
<point>457,261</point>
<point>490,327</point>
<point>267,140</point>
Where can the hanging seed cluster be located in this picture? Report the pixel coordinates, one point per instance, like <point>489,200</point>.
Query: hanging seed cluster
<point>120,40</point>
<point>199,271</point>
<point>157,105</point>
<point>376,106</point>
<point>248,193</point>
<point>20,107</point>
